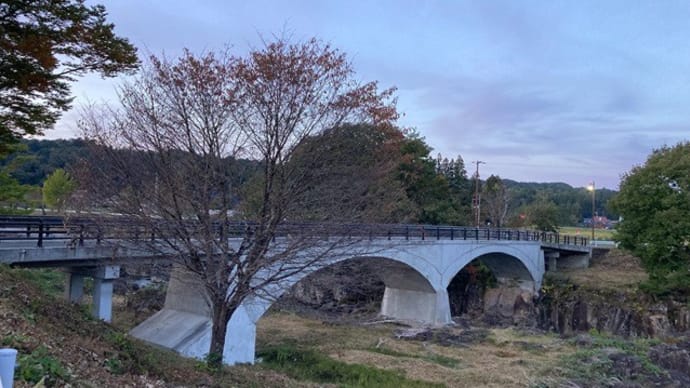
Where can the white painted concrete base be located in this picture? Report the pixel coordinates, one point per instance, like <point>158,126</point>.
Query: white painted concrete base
<point>190,334</point>
<point>240,340</point>
<point>8,358</point>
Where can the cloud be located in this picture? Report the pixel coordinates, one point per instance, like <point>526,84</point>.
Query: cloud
<point>541,91</point>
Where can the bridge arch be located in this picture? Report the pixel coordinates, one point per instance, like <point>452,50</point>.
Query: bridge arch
<point>416,289</point>
<point>409,294</point>
<point>395,274</point>
<point>504,260</point>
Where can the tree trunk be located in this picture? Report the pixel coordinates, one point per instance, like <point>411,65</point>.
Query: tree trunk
<point>219,328</point>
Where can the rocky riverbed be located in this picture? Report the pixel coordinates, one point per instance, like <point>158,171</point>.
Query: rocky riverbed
<point>594,308</point>
<point>620,336</point>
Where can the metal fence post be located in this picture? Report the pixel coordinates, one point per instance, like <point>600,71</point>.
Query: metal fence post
<point>40,234</point>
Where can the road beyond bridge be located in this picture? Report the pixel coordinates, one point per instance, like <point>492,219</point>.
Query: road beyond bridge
<point>415,262</point>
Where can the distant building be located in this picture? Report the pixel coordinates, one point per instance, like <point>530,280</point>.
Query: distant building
<point>600,222</point>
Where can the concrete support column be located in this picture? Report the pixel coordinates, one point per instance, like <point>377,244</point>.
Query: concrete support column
<point>443,315</point>
<point>75,287</point>
<point>102,288</point>
<point>103,299</point>
<point>103,291</point>
<point>423,306</point>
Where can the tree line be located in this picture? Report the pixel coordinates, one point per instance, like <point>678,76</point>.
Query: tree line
<point>387,176</point>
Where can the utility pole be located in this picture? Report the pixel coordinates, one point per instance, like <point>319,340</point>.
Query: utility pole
<point>476,201</point>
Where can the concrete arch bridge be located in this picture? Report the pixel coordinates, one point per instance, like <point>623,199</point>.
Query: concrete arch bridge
<point>415,262</point>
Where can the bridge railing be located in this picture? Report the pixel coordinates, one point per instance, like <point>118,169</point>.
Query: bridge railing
<point>78,230</point>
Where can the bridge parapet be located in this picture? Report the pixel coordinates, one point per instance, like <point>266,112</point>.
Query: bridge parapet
<point>78,230</point>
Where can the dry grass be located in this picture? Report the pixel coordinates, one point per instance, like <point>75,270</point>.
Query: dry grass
<point>615,270</point>
<point>506,358</point>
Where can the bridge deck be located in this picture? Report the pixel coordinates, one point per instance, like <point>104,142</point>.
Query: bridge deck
<point>79,238</point>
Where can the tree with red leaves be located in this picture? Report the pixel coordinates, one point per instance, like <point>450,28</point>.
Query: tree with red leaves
<point>191,120</point>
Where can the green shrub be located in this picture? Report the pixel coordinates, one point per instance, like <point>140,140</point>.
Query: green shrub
<point>50,281</point>
<point>40,364</point>
<point>114,366</point>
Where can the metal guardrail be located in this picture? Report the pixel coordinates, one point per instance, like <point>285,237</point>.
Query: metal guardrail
<point>81,229</point>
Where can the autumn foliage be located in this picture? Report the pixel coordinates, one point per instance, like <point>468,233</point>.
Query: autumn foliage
<point>44,45</point>
<point>191,120</point>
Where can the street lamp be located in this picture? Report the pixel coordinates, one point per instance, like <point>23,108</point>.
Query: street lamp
<point>591,187</point>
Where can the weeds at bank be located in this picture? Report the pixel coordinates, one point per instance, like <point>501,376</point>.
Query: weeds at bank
<point>501,358</point>
<point>309,365</point>
<point>439,359</point>
<point>615,271</point>
<point>49,281</point>
<point>35,363</point>
<point>599,359</point>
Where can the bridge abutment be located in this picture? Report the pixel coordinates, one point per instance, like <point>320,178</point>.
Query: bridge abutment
<point>551,261</point>
<point>574,261</point>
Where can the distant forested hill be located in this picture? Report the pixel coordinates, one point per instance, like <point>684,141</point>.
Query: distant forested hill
<point>574,203</point>
<point>451,184</point>
<point>42,157</point>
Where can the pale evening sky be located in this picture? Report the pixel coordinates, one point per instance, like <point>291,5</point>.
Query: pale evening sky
<point>566,91</point>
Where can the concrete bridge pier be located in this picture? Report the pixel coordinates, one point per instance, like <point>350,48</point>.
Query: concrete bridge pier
<point>415,305</point>
<point>409,295</point>
<point>103,278</point>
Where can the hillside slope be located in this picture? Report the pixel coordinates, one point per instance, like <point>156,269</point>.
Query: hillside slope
<point>62,343</point>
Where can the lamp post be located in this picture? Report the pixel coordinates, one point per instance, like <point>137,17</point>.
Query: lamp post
<point>591,187</point>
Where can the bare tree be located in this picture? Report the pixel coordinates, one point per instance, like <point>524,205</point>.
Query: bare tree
<point>169,158</point>
<point>351,175</point>
<point>496,200</point>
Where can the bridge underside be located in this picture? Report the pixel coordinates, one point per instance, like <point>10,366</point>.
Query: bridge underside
<point>184,324</point>
<point>410,296</point>
<point>416,290</point>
